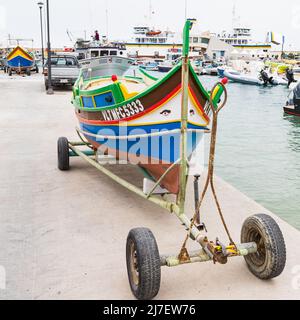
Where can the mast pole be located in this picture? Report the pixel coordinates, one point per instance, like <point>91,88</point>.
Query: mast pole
<point>184,118</point>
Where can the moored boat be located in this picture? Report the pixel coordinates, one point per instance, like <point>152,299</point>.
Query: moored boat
<point>165,66</point>
<point>19,60</point>
<point>107,65</point>
<point>263,78</point>
<point>291,110</point>
<point>293,104</point>
<point>150,66</point>
<point>242,78</point>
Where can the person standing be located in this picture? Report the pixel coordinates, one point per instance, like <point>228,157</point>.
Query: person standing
<point>290,76</point>
<point>97,36</point>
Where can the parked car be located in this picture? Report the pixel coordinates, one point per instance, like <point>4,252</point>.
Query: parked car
<point>64,70</point>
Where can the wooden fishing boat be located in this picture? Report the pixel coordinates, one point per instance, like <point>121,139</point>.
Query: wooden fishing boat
<point>132,121</point>
<point>19,60</point>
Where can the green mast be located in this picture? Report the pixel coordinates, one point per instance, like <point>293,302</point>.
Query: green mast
<point>184,117</point>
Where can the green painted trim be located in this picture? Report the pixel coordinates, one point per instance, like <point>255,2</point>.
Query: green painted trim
<point>186,38</point>
<point>117,93</point>
<point>133,78</point>
<point>198,81</point>
<point>141,70</point>
<point>218,96</point>
<point>151,88</point>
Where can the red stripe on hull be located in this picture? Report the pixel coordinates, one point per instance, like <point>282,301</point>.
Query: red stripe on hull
<point>287,110</point>
<point>141,114</point>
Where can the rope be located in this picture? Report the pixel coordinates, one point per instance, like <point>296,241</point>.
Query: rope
<point>85,142</point>
<point>210,174</point>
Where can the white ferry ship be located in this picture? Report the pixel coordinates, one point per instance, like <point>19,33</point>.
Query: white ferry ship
<point>147,42</point>
<point>241,38</point>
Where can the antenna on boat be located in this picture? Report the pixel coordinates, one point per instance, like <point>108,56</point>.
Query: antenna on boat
<point>234,15</point>
<point>151,12</point>
<point>106,18</point>
<point>185,9</point>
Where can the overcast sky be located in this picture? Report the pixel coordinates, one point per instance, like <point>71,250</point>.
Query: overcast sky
<point>20,18</point>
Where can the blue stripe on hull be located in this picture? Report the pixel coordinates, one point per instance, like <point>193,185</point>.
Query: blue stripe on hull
<point>165,148</point>
<point>20,62</point>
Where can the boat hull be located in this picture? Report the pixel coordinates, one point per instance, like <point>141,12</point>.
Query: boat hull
<point>146,130</point>
<point>154,154</point>
<point>106,66</point>
<point>292,111</point>
<point>244,79</point>
<point>19,58</point>
<point>164,68</point>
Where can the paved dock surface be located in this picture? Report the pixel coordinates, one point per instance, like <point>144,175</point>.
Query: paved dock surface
<point>63,234</point>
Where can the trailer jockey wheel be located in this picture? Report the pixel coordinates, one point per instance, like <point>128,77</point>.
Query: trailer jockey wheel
<point>269,260</point>
<point>63,158</point>
<point>143,263</point>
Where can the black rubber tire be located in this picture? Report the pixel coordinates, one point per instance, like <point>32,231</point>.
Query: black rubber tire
<point>9,72</point>
<point>37,69</point>
<point>270,259</point>
<point>63,158</point>
<point>145,285</point>
<point>28,72</point>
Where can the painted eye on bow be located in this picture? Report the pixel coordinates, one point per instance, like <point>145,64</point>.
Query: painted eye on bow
<point>165,112</point>
<point>192,112</point>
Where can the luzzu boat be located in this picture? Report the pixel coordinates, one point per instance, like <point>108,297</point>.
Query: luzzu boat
<point>139,119</point>
<point>19,60</point>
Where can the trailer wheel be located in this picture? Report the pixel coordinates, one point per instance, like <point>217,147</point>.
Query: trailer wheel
<point>28,72</point>
<point>63,154</point>
<point>10,72</point>
<point>269,260</point>
<point>143,263</point>
<point>37,69</point>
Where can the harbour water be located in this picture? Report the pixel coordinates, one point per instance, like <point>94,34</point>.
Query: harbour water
<point>258,147</point>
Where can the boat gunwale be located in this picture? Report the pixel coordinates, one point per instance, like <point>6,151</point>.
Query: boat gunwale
<point>78,92</point>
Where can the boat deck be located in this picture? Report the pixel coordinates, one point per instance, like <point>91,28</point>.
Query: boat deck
<point>131,85</point>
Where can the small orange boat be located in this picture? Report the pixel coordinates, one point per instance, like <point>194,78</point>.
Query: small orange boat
<point>153,33</point>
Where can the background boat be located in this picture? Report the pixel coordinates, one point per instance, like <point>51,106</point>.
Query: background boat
<point>20,60</point>
<point>106,65</point>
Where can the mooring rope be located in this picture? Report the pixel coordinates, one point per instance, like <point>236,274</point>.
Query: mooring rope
<point>210,173</point>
